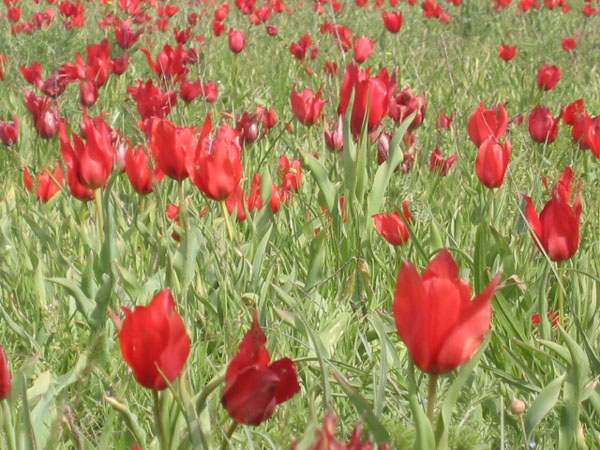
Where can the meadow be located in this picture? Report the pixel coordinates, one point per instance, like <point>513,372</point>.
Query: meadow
<point>328,224</point>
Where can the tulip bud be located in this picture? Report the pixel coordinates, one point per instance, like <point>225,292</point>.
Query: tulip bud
<point>5,380</point>
<point>518,407</point>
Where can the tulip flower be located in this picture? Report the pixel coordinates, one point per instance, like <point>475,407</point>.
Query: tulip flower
<point>154,341</point>
<point>216,165</point>
<point>443,121</point>
<point>569,44</point>
<point>137,167</point>
<point>492,161</point>
<point>45,116</point>
<point>170,146</point>
<point>548,77</point>
<point>5,379</point>
<point>404,103</point>
<point>557,227</point>
<point>363,47</point>
<point>169,62</point>
<point>253,387</point>
<point>125,35</point>
<point>438,164</point>
<point>47,187</point>
<point>9,132</point>
<point>189,90</point>
<point>335,139</point>
<point>392,21</point>
<point>543,127</point>
<point>370,93</point>
<point>435,316</point>
<point>506,52</point>
<point>307,106</point>
<point>484,123</point>
<point>91,162</point>
<point>151,101</point>
<point>392,226</point>
<point>237,40</point>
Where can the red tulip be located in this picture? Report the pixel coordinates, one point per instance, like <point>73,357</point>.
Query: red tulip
<point>291,176</point>
<point>5,380</point>
<point>125,35</point>
<point>404,103</point>
<point>138,170</point>
<point>46,186</point>
<point>506,52</point>
<point>151,101</point>
<point>253,387</point>
<point>216,165</point>
<point>237,40</point>
<point>370,93</point>
<point>363,47</point>
<point>543,127</point>
<point>190,90</point>
<point>335,139</point>
<point>91,162</point>
<point>170,63</point>
<point>307,106</point>
<point>444,121</point>
<point>45,116</point>
<point>484,123</point>
<point>118,66</point>
<point>557,227</point>
<point>548,77</point>
<point>153,340</point>
<point>170,146</point>
<point>9,132</point>
<point>569,44</point>
<point>438,164</point>
<point>492,161</point>
<point>435,316</point>
<point>392,226</point>
<point>298,49</point>
<point>392,21</point>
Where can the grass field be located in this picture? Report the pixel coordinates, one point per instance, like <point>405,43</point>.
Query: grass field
<point>304,254</point>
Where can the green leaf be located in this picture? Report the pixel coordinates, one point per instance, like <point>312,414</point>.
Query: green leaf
<point>319,171</point>
<point>424,439</point>
<point>542,405</point>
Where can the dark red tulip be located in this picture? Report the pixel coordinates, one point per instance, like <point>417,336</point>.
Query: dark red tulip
<point>9,132</point>
<point>153,341</point>
<point>506,52</point>
<point>548,77</point>
<point>557,227</point>
<point>392,226</point>
<point>118,66</point>
<point>5,379</point>
<point>435,316</point>
<point>170,146</point>
<point>216,165</point>
<point>307,106</point>
<point>392,21</point>
<point>237,40</point>
<point>543,126</point>
<point>484,123</point>
<point>437,163</point>
<point>253,385</point>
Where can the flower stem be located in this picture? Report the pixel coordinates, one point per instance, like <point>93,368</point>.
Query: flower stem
<point>8,426</point>
<point>431,396</point>
<point>159,422</point>
<point>227,219</point>
<point>98,199</point>
<point>182,216</point>
<point>228,434</point>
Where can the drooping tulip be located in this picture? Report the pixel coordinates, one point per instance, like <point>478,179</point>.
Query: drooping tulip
<point>253,385</point>
<point>435,316</point>
<point>154,342</point>
<point>557,227</point>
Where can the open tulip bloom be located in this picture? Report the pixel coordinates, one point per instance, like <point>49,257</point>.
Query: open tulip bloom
<point>435,316</point>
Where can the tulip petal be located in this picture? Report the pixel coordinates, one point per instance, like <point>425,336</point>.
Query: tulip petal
<point>252,351</point>
<point>288,381</point>
<point>443,266</point>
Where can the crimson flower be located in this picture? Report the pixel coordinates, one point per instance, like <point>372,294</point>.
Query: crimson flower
<point>548,77</point>
<point>170,146</point>
<point>543,126</point>
<point>507,52</point>
<point>9,132</point>
<point>484,123</point>
<point>307,106</point>
<point>392,21</point>
<point>435,316</point>
<point>253,387</point>
<point>392,226</point>
<point>492,161</point>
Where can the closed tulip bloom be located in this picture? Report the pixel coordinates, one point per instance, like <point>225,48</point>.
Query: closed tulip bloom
<point>557,227</point>
<point>137,167</point>
<point>335,139</point>
<point>392,21</point>
<point>9,132</point>
<point>153,340</point>
<point>189,90</point>
<point>435,316</point>
<point>216,165</point>
<point>484,123</point>
<point>543,126</point>
<point>237,40</point>
<point>569,44</point>
<point>253,385</point>
<point>507,52</point>
<point>392,226</point>
<point>548,77</point>
<point>307,106</point>
<point>363,47</point>
<point>170,145</point>
<point>492,161</point>
<point>5,379</point>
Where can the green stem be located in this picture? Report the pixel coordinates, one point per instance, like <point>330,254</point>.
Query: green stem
<point>159,422</point>
<point>228,434</point>
<point>8,426</point>
<point>227,220</point>
<point>98,199</point>
<point>182,216</point>
<point>431,396</point>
